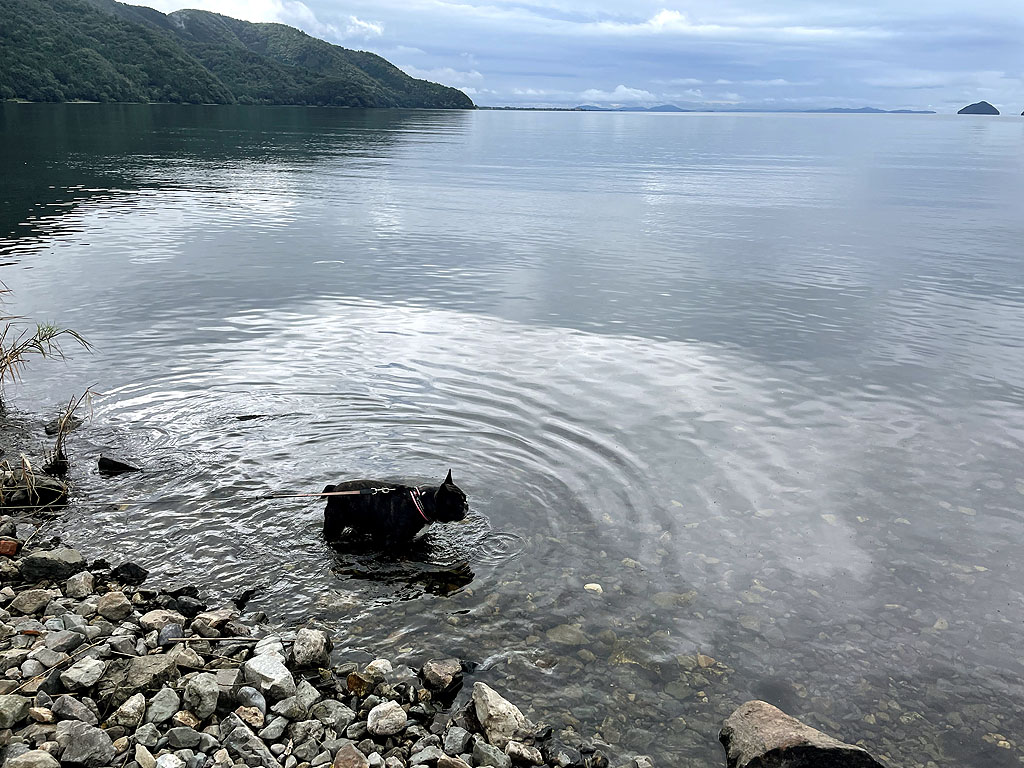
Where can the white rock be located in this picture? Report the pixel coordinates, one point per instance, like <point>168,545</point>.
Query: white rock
<point>80,585</point>
<point>130,714</point>
<point>311,648</point>
<point>386,719</point>
<point>500,718</point>
<point>268,673</point>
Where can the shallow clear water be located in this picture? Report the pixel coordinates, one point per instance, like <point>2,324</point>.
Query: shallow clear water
<point>758,376</point>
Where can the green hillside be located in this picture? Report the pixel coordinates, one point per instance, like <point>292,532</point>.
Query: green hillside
<point>101,50</point>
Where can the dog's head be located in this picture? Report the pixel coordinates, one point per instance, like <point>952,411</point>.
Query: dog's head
<point>450,504</point>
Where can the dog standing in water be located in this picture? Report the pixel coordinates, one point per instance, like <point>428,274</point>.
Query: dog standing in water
<point>388,512</point>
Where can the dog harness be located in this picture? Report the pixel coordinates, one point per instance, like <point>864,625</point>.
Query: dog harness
<point>414,494</point>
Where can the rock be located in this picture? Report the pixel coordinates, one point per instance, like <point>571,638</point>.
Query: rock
<point>251,717</point>
<point>13,709</point>
<point>758,734</point>
<point>52,564</point>
<point>70,708</point>
<point>499,718</point>
<point>169,634</point>
<point>442,674</point>
<point>64,641</point>
<point>147,735</point>
<point>110,466</point>
<point>292,708</point>
<point>312,648</point>
<point>143,674</point>
<point>41,491</point>
<point>275,729</point>
<point>350,757</point>
<point>182,737</point>
<point>163,706</point>
<point>31,601</point>
<point>446,761</point>
<point>980,108</point>
<point>186,718</point>
<point>641,761</point>
<point>35,758</point>
<point>169,761</point>
<point>201,694</point>
<point>84,673</point>
<point>486,754</point>
<point>594,587</point>
<point>8,528</point>
<point>247,696</point>
<point>523,754</point>
<point>269,674</point>
<point>129,715</point>
<point>244,745</point>
<point>333,714</point>
<point>144,757</point>
<point>80,585</point>
<point>378,669</point>
<point>129,573</point>
<point>386,719</point>
<point>84,744</point>
<point>426,756</point>
<point>115,606</point>
<point>567,634</point>
<point>42,715</point>
<point>456,740</point>
<point>160,618</point>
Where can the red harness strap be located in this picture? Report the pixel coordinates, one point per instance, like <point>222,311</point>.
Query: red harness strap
<point>415,494</point>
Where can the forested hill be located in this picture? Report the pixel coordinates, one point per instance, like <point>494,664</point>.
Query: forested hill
<point>101,50</point>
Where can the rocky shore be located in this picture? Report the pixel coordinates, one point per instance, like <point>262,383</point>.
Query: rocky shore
<point>98,670</point>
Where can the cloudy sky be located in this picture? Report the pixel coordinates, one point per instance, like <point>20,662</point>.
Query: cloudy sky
<point>925,54</point>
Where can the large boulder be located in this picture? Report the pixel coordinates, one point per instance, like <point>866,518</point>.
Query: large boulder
<point>762,736</point>
<point>143,674</point>
<point>51,564</point>
<point>500,719</point>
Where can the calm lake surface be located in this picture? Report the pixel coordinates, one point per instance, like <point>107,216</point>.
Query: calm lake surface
<point>760,377</point>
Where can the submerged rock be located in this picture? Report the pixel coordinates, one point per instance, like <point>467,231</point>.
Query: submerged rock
<point>762,736</point>
<point>110,467</point>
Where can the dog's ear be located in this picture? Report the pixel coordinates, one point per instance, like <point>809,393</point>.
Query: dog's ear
<point>448,480</point>
<point>328,489</point>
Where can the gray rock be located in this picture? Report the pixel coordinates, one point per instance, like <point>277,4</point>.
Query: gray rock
<point>386,719</point>
<point>148,735</point>
<point>426,756</point>
<point>114,606</point>
<point>441,674</point>
<point>350,757</point>
<point>499,718</point>
<point>269,644</point>
<point>48,658</point>
<point>13,709</point>
<point>168,633</point>
<point>169,760</point>
<point>333,714</point>
<point>201,695</point>
<point>64,641</point>
<point>275,729</point>
<point>268,673</point>
<point>31,601</point>
<point>182,737</point>
<point>306,730</point>
<point>36,758</point>
<point>486,754</point>
<point>143,674</point>
<point>53,564</point>
<point>446,761</point>
<point>456,740</point>
<point>641,761</point>
<point>84,673</point>
<point>84,744</point>
<point>129,715</point>
<point>758,734</point>
<point>312,648</point>
<point>247,696</point>
<point>244,745</point>
<point>163,706</point>
<point>80,585</point>
<point>123,645</point>
<point>70,708</point>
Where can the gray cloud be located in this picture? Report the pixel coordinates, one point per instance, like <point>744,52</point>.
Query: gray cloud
<point>887,53</point>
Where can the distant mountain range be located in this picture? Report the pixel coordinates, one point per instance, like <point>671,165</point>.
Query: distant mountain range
<point>833,111</point>
<point>102,50</point>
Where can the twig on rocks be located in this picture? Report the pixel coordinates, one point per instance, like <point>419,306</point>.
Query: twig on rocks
<point>70,657</point>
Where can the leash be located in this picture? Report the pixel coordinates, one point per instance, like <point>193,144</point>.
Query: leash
<point>413,493</point>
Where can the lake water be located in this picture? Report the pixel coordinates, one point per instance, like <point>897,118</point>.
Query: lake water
<point>759,376</point>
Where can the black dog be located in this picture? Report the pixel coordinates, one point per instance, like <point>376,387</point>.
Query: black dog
<point>389,512</point>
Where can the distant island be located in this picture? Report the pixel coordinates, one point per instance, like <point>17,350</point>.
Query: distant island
<point>102,50</point>
<point>981,108</point>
